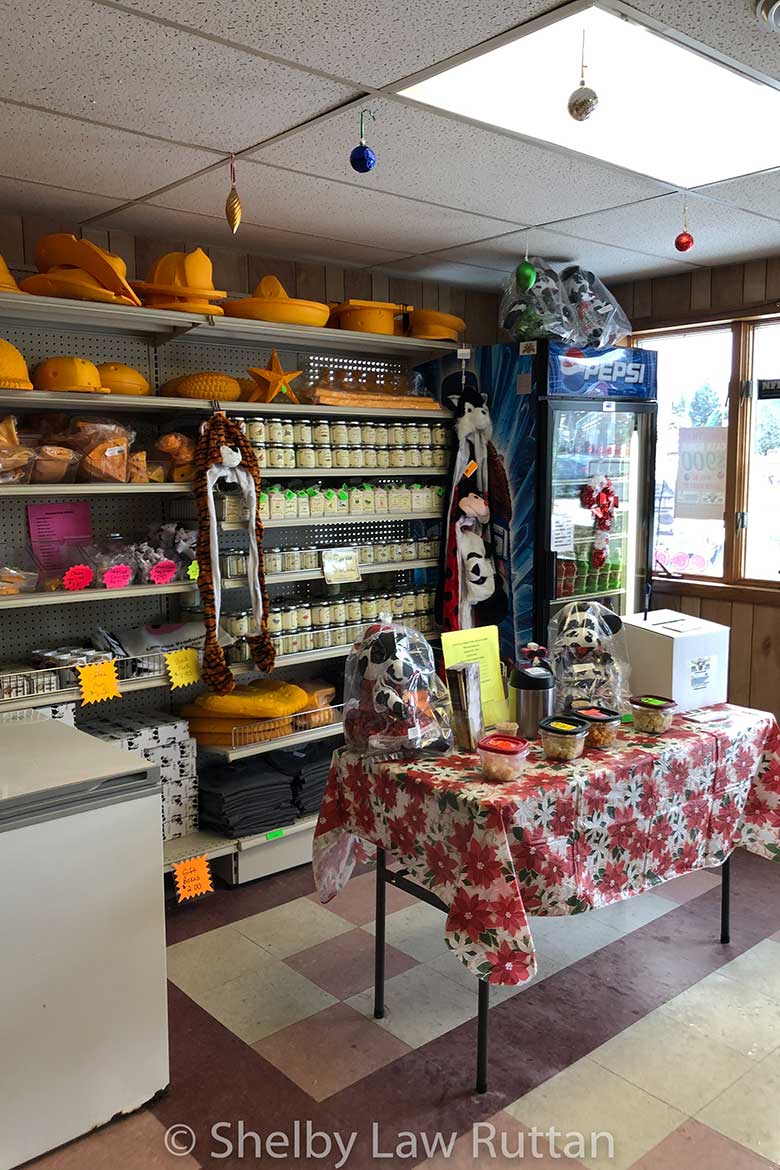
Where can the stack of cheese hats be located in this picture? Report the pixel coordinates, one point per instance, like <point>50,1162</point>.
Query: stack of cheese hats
<point>80,270</point>
<point>182,281</point>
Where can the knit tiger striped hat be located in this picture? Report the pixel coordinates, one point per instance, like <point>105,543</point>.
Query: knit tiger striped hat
<point>224,453</point>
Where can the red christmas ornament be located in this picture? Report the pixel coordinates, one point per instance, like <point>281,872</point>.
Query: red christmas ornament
<point>600,498</point>
<point>683,242</point>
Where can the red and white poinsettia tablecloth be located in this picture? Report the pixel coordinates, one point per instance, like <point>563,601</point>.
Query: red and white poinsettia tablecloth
<point>563,839</point>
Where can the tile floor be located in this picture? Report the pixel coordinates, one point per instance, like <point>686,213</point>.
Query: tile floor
<point>639,1025</point>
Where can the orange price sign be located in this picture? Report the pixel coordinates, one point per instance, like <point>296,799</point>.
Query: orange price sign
<point>193,878</point>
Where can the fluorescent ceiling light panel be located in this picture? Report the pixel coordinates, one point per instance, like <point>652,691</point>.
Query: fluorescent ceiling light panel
<point>664,110</point>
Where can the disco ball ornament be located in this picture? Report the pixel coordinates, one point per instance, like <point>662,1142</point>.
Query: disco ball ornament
<point>525,276</point>
<point>362,159</point>
<point>582,102</point>
<point>683,242</point>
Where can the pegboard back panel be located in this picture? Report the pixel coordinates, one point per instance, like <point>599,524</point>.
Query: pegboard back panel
<point>191,356</point>
<point>37,343</point>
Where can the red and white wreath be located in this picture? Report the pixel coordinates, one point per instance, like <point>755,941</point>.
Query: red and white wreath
<point>599,496</point>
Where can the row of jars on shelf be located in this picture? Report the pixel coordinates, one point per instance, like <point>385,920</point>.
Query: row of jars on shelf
<point>305,432</point>
<point>294,616</point>
<point>325,637</point>
<point>348,458</point>
<point>233,562</point>
<point>401,500</point>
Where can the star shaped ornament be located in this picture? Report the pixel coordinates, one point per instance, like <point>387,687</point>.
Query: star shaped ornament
<point>273,381</point>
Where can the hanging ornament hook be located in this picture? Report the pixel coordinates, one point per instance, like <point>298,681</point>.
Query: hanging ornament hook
<point>584,100</point>
<point>233,203</point>
<point>362,158</point>
<point>525,273</point>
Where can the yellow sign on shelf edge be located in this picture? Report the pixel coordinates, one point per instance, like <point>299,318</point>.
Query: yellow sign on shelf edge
<point>98,682</point>
<point>480,645</point>
<point>183,667</point>
<point>193,878</point>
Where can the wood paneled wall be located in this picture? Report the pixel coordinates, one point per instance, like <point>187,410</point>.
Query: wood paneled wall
<point>754,656</point>
<point>706,294</point>
<point>239,272</point>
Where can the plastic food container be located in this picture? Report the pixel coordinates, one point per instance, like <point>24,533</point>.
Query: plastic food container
<point>502,757</point>
<point>563,736</point>
<point>603,724</point>
<point>653,714</point>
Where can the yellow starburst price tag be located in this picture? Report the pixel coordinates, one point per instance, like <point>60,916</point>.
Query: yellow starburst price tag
<point>98,681</point>
<point>193,570</point>
<point>183,667</point>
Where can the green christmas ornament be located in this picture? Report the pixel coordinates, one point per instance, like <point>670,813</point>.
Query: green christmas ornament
<point>525,275</point>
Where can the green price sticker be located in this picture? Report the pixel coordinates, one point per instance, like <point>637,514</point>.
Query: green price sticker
<point>272,836</point>
<point>193,570</point>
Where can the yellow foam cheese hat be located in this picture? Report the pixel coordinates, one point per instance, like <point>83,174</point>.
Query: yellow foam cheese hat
<point>7,282</point>
<point>79,269</point>
<point>122,379</point>
<point>270,302</point>
<point>14,374</point>
<point>183,281</point>
<point>68,373</point>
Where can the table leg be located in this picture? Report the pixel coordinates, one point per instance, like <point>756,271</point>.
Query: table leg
<point>482,1034</point>
<point>725,901</point>
<point>379,944</point>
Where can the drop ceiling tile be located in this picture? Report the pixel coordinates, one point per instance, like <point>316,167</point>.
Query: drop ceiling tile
<point>122,69</point>
<point>722,234</point>
<point>733,29</point>
<point>759,192</point>
<point>430,156</point>
<point>145,219</point>
<point>608,263</point>
<point>86,157</point>
<point>311,205</point>
<point>371,42</point>
<point>25,198</point>
<point>448,272</point>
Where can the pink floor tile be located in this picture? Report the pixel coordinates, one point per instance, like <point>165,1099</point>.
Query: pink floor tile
<point>356,902</point>
<point>330,1050</point>
<point>690,885</point>
<point>697,1147</point>
<point>131,1141</point>
<point>345,965</point>
<point>466,1154</point>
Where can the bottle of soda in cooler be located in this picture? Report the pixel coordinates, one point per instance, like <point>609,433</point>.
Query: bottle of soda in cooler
<point>615,566</point>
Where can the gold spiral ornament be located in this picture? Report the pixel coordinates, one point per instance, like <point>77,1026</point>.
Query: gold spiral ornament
<point>233,203</point>
<point>233,210</point>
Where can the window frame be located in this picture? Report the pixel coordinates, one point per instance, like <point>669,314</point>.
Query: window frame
<point>733,584</point>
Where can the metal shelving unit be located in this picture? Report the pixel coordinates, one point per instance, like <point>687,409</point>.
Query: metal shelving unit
<point>231,754</point>
<point>63,597</point>
<point>167,325</point>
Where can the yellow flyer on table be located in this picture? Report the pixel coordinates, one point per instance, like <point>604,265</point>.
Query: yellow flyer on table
<point>480,645</point>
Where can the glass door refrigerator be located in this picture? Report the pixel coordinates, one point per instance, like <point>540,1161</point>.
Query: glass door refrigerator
<point>597,430</point>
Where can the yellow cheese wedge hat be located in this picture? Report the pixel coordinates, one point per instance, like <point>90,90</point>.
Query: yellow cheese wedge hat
<point>14,374</point>
<point>122,379</point>
<point>67,373</point>
<point>7,282</point>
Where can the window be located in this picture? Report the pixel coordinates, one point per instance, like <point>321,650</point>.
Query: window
<point>694,372</point>
<point>762,535</point>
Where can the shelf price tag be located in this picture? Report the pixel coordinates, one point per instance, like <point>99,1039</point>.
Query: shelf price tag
<point>340,565</point>
<point>193,878</point>
<point>183,667</point>
<point>98,682</point>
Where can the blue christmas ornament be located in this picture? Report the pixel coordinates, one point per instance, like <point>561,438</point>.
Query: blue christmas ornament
<point>362,159</point>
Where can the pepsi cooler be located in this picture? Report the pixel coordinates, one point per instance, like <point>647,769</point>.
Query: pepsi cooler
<point>597,429</point>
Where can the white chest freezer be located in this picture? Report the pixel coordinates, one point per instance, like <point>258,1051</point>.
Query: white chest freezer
<point>83,1011</point>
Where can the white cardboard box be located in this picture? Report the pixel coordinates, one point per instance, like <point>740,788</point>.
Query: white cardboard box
<point>680,657</point>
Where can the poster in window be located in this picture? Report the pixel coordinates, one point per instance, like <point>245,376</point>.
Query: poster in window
<point>700,492</point>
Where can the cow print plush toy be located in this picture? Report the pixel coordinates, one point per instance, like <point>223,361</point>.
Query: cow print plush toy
<point>473,587</point>
<point>587,656</point>
<point>393,698</point>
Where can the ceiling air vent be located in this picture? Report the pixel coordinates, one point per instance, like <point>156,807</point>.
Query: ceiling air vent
<point>769,10</point>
